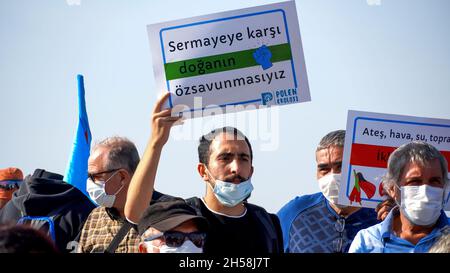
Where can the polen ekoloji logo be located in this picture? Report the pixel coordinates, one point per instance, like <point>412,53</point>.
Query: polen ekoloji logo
<point>266,97</point>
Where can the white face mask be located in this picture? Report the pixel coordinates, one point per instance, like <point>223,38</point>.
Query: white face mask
<point>422,205</point>
<point>329,186</point>
<point>186,247</point>
<point>98,194</point>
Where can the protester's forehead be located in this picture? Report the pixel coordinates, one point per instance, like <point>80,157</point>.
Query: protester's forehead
<point>417,168</point>
<point>187,226</point>
<point>229,142</point>
<point>330,154</point>
<point>97,159</point>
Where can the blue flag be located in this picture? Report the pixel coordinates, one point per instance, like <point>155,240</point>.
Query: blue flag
<point>76,171</point>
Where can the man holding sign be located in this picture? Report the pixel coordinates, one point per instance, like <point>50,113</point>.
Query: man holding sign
<point>370,140</point>
<point>225,165</point>
<point>417,180</point>
<point>317,222</point>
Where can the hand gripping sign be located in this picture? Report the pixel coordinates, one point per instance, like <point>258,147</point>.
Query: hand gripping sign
<point>230,61</point>
<point>369,140</point>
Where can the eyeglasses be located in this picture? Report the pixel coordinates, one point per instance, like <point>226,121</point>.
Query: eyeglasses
<point>177,238</point>
<point>338,242</point>
<point>92,176</point>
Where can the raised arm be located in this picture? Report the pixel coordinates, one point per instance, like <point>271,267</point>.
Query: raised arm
<point>142,183</point>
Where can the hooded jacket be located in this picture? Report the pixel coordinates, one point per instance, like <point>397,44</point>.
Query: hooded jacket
<point>46,194</point>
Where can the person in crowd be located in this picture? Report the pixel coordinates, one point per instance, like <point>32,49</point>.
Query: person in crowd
<point>172,227</point>
<point>317,223</point>
<point>10,180</point>
<point>45,202</point>
<point>24,239</point>
<point>225,166</point>
<point>111,165</point>
<point>417,180</point>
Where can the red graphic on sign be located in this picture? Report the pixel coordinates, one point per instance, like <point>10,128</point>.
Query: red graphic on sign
<point>377,156</point>
<point>380,189</point>
<point>361,184</point>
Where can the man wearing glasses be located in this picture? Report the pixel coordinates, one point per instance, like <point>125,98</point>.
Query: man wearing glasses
<point>10,180</point>
<point>110,167</point>
<point>317,223</point>
<point>172,227</point>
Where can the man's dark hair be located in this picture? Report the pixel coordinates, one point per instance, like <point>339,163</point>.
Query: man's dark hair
<point>24,239</point>
<point>205,142</point>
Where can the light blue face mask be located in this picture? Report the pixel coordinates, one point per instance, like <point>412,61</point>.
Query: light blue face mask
<point>230,194</point>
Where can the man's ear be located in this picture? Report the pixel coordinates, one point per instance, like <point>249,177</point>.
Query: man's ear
<point>201,168</point>
<point>124,175</point>
<point>393,192</point>
<point>251,171</point>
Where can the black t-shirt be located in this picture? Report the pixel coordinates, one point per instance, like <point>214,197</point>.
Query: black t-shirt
<point>232,236</point>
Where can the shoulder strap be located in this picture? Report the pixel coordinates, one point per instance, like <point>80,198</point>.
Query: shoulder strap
<point>194,202</point>
<point>119,237</point>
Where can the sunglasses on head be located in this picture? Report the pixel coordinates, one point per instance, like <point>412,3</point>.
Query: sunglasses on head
<point>177,238</point>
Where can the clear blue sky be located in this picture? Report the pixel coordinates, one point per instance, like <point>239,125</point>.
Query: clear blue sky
<point>392,58</point>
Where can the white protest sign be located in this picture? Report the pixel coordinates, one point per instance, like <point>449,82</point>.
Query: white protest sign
<point>369,140</point>
<point>230,61</point>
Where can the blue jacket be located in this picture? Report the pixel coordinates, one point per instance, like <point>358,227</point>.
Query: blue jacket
<point>380,239</point>
<point>310,225</point>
